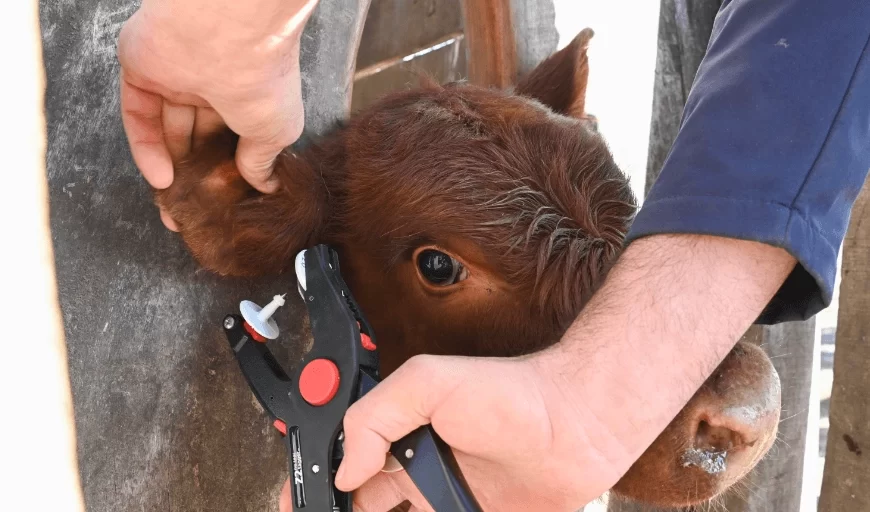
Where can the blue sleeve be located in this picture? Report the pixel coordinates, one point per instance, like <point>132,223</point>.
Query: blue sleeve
<point>774,143</point>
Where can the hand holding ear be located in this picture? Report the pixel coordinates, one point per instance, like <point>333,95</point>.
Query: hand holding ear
<point>191,67</point>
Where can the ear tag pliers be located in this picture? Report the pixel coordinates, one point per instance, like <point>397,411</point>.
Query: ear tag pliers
<point>308,403</point>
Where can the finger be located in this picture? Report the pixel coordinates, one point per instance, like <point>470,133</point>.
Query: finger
<point>178,121</point>
<point>255,161</point>
<point>284,504</point>
<point>179,98</point>
<point>208,122</point>
<point>386,491</point>
<point>141,113</point>
<point>168,221</point>
<point>265,129</point>
<point>383,492</point>
<point>404,401</point>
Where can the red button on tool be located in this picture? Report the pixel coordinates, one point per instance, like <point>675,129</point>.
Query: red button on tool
<point>319,381</point>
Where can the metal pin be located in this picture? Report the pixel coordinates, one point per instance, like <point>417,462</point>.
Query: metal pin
<point>409,453</point>
<point>229,322</point>
<point>315,469</point>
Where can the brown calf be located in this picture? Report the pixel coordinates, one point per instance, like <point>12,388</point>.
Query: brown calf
<point>477,222</point>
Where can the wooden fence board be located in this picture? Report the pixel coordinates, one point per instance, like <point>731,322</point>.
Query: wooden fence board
<point>393,27</point>
<point>684,30</point>
<point>445,64</point>
<point>507,38</point>
<point>846,481</point>
<point>536,37</point>
<point>164,418</point>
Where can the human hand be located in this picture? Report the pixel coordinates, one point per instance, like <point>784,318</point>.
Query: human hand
<point>558,428</point>
<point>189,67</point>
<point>518,449</point>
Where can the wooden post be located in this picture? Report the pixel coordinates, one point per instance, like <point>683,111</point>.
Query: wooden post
<point>684,31</point>
<point>535,34</point>
<point>164,419</point>
<point>507,38</point>
<point>846,481</point>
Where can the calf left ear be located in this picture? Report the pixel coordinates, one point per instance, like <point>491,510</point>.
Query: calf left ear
<point>560,81</point>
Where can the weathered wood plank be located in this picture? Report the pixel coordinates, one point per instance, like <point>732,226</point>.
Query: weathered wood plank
<point>445,64</point>
<point>507,38</point>
<point>395,28</point>
<point>684,31</point>
<point>404,39</point>
<point>536,37</point>
<point>490,37</point>
<point>329,48</point>
<point>846,481</point>
<point>164,419</point>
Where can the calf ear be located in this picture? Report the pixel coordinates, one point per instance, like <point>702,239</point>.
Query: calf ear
<point>230,227</point>
<point>560,81</point>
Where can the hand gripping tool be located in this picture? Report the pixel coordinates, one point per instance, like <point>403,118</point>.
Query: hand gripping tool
<point>308,403</point>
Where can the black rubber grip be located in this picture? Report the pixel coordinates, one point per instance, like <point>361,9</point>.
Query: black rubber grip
<point>430,463</point>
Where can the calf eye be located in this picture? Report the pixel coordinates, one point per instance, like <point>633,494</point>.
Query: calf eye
<point>440,268</point>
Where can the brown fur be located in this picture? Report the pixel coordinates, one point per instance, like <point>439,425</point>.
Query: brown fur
<point>514,185</point>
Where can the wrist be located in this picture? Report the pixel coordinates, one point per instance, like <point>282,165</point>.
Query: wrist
<point>670,311</point>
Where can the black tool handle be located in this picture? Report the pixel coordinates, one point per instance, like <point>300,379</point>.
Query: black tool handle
<point>430,463</point>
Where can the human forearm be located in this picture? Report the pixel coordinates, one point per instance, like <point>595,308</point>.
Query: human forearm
<point>772,144</point>
<point>670,311</point>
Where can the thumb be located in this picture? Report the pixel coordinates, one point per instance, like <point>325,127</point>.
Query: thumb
<point>256,161</point>
<point>281,118</point>
<point>405,400</point>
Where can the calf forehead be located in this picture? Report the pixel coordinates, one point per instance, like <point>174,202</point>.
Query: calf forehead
<point>470,144</point>
<point>535,190</point>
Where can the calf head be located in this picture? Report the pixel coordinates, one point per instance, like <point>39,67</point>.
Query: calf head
<point>476,222</point>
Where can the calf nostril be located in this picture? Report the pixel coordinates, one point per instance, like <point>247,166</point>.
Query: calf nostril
<point>719,438</point>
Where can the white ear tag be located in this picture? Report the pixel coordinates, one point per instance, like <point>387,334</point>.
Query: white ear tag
<point>260,319</point>
<point>300,274</point>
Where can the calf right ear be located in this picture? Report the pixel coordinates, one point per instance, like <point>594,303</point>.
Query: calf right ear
<point>560,81</point>
<point>233,229</point>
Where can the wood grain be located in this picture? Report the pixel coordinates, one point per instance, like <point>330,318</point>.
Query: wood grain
<point>445,64</point>
<point>394,27</point>
<point>846,481</point>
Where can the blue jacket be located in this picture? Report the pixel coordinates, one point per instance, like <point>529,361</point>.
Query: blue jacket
<point>774,144</point>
